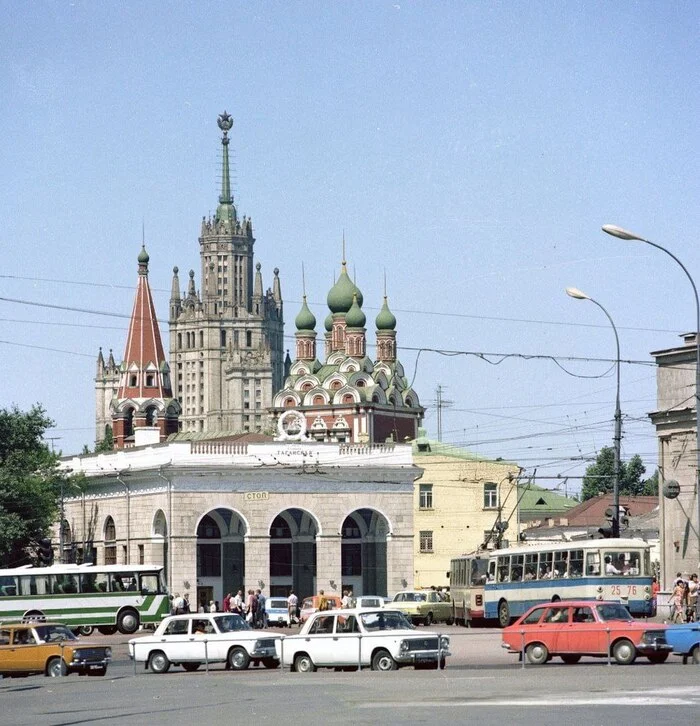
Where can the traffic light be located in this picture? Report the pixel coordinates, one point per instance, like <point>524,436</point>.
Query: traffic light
<point>45,552</point>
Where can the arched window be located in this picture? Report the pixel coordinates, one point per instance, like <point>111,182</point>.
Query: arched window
<point>208,528</point>
<point>110,542</point>
<point>151,416</point>
<point>319,400</point>
<point>335,385</point>
<point>129,422</point>
<point>289,403</point>
<point>306,387</point>
<point>348,398</point>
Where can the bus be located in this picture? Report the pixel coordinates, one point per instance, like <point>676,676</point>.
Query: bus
<point>502,584</point>
<point>108,597</point>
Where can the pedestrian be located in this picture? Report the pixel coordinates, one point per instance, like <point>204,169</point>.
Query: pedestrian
<point>261,611</point>
<point>227,603</point>
<point>655,587</point>
<point>691,611</point>
<point>677,601</point>
<point>322,601</point>
<point>250,605</point>
<point>213,608</point>
<point>177,604</point>
<point>237,603</point>
<point>186,603</point>
<point>345,601</point>
<point>293,608</point>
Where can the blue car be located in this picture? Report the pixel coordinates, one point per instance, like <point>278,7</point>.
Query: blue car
<point>685,640</point>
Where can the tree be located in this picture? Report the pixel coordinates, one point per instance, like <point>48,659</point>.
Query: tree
<point>599,477</point>
<point>30,484</point>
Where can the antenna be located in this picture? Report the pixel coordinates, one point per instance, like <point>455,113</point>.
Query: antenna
<point>440,403</point>
<point>303,281</point>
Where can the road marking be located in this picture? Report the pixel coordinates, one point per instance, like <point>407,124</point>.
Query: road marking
<point>542,702</point>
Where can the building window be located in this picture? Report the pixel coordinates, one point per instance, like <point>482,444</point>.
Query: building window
<point>425,494</point>
<point>490,495</point>
<point>223,339</point>
<point>132,380</point>
<point>426,541</point>
<point>142,557</point>
<point>150,380</point>
<point>248,339</point>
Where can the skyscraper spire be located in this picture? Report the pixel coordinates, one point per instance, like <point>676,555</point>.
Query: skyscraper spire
<point>226,211</point>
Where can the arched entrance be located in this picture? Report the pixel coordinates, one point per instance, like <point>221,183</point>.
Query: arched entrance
<point>363,552</point>
<point>220,555</point>
<point>160,542</point>
<point>293,553</point>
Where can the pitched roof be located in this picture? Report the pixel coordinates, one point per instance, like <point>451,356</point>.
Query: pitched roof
<point>538,500</point>
<point>592,511</point>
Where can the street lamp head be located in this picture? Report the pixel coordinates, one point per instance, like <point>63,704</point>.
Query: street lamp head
<point>616,231</point>
<point>576,293</point>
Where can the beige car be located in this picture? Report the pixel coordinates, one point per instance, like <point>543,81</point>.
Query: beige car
<point>48,648</point>
<point>423,606</point>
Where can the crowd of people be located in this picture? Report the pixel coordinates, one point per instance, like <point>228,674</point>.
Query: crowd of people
<point>683,604</point>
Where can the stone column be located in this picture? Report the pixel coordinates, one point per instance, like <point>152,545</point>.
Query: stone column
<point>399,562</point>
<point>184,562</point>
<point>328,566</point>
<point>257,562</point>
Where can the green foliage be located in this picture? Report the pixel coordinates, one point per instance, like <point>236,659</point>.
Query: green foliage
<point>30,484</point>
<point>107,444</point>
<point>599,477</point>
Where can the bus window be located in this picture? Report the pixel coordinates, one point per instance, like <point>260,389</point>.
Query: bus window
<point>503,568</point>
<point>624,563</point>
<point>478,571</point>
<point>592,564</point>
<point>545,572</point>
<point>149,583</point>
<point>492,571</point>
<point>123,582</point>
<point>8,586</point>
<point>575,563</point>
<point>64,584</point>
<point>561,565</point>
<point>93,582</point>
<point>516,568</point>
<point>530,566</point>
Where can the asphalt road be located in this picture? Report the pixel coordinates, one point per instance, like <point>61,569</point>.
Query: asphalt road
<point>481,683</point>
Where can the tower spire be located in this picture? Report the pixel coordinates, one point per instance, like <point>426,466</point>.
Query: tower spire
<point>225,212</point>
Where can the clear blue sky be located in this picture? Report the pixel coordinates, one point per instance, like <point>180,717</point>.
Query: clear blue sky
<point>471,150</point>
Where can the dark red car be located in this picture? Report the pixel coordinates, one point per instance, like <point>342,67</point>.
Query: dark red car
<point>574,628</point>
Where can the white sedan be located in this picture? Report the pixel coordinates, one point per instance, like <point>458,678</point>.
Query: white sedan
<point>196,638</point>
<point>381,639</point>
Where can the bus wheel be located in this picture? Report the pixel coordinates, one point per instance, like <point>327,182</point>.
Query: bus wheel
<point>107,629</point>
<point>34,615</point>
<point>85,630</point>
<point>128,622</point>
<point>503,614</point>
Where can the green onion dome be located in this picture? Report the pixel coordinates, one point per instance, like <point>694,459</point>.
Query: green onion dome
<point>305,320</point>
<point>328,323</point>
<point>143,256</point>
<point>355,318</point>
<point>340,296</point>
<point>386,319</point>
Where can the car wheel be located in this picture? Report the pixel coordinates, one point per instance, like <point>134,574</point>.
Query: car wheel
<point>107,629</point>
<point>443,664</point>
<point>56,667</point>
<point>238,659</point>
<point>382,661</point>
<point>271,663</point>
<point>537,653</point>
<point>660,657</point>
<point>695,655</point>
<point>624,652</point>
<point>190,667</point>
<point>429,619</point>
<point>571,658</point>
<point>158,662</point>
<point>304,664</point>
<point>128,622</point>
<point>98,672</point>
<point>503,614</point>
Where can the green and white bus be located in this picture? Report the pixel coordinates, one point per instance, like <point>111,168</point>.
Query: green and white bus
<point>108,597</point>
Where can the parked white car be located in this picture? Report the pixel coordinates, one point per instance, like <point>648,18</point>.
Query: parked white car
<point>190,640</point>
<point>277,611</point>
<point>366,601</point>
<point>381,639</point>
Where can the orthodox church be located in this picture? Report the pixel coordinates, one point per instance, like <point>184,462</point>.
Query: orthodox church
<point>348,398</point>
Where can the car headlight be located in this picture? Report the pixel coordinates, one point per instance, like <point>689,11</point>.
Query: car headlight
<point>444,642</point>
<point>403,647</point>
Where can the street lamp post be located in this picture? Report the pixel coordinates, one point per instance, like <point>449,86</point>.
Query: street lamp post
<point>630,236</point>
<point>617,438</point>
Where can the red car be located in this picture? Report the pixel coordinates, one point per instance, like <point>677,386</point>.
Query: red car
<point>574,628</point>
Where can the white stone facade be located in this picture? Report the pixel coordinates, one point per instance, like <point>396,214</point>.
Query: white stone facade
<point>349,510</point>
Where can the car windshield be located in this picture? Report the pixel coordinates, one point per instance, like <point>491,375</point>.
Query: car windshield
<point>613,611</point>
<point>410,597</point>
<point>385,620</point>
<point>54,633</point>
<point>229,623</point>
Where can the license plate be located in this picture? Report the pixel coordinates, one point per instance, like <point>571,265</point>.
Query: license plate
<point>94,667</point>
<point>425,659</point>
